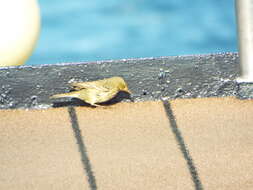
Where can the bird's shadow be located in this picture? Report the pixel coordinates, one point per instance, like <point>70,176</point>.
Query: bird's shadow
<point>77,102</point>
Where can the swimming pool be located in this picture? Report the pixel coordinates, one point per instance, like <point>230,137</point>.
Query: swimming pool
<point>97,30</point>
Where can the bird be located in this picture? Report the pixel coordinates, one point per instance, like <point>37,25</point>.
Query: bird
<point>99,91</point>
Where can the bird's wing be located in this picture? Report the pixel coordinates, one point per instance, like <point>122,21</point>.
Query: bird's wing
<point>89,85</point>
<point>103,96</point>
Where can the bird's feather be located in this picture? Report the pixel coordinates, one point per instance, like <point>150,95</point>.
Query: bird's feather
<point>87,85</point>
<point>74,94</point>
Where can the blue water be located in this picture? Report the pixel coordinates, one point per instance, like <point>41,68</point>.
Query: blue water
<point>90,30</point>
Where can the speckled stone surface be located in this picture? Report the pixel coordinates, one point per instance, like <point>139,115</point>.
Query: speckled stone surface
<point>148,78</point>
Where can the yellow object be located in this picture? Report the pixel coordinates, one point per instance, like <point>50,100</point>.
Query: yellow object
<point>96,91</point>
<point>19,30</point>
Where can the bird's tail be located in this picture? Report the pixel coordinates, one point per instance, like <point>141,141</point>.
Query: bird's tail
<point>74,94</point>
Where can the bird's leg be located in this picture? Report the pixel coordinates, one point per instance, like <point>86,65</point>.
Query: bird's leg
<point>96,105</point>
<point>76,88</point>
<point>100,106</point>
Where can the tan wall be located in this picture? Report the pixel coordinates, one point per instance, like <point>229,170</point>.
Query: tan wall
<point>193,143</point>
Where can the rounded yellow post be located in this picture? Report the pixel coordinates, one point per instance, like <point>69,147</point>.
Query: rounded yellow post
<point>19,30</point>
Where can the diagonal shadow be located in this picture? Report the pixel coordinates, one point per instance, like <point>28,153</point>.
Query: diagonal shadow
<point>82,149</point>
<point>182,146</point>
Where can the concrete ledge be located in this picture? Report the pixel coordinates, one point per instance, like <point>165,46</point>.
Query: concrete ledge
<point>148,78</point>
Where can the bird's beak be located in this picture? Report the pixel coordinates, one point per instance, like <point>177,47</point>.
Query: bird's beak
<point>127,90</point>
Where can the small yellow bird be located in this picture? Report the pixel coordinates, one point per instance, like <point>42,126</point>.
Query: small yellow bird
<point>96,91</point>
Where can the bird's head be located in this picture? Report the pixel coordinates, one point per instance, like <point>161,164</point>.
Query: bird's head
<point>126,90</point>
<point>122,85</point>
